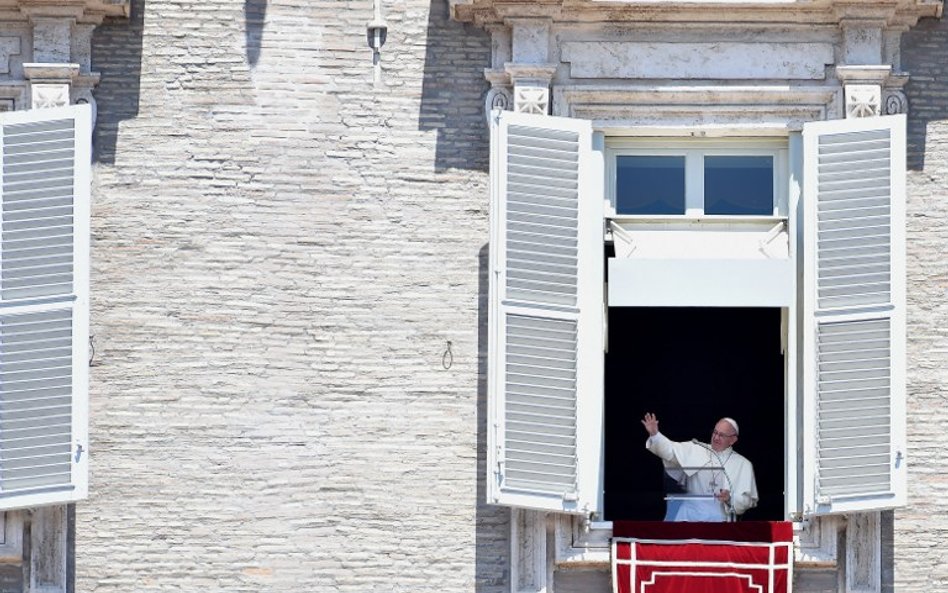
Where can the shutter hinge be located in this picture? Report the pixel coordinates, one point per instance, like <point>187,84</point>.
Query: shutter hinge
<point>570,497</point>
<point>79,450</point>
<point>499,472</point>
<point>898,459</point>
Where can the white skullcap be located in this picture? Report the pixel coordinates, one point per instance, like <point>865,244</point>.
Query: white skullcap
<point>733,423</point>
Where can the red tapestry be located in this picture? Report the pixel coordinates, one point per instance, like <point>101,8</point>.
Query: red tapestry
<point>749,557</point>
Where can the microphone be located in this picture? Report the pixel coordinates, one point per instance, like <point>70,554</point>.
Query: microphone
<point>730,485</point>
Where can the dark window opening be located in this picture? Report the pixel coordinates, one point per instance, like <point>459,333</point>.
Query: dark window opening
<point>691,366</point>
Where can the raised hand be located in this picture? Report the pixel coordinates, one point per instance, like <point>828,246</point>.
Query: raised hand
<point>650,422</point>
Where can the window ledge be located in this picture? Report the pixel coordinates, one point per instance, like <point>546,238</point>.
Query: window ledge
<point>697,219</point>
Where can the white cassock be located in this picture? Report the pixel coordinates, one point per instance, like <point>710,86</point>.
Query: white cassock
<point>701,468</point>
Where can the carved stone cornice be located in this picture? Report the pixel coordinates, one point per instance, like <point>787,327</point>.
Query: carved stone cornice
<point>43,72</point>
<point>872,74</point>
<point>485,12</point>
<point>538,72</point>
<point>83,11</point>
<point>767,109</point>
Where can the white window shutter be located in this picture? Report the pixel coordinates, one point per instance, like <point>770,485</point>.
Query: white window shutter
<point>44,305</point>
<point>854,315</point>
<point>546,314</point>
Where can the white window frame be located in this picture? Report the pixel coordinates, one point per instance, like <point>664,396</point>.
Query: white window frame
<point>694,152</point>
<point>785,150</point>
<point>789,168</point>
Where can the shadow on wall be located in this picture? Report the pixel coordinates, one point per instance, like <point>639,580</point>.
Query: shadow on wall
<point>453,90</point>
<point>925,58</point>
<point>492,523</point>
<point>117,54</point>
<point>255,14</point>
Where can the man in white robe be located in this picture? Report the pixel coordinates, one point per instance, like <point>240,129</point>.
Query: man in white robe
<point>723,476</point>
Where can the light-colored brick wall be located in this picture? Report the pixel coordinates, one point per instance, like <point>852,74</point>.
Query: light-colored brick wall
<point>921,529</point>
<point>280,255</point>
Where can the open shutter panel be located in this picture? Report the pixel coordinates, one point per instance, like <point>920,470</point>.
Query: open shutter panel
<point>546,273</point>
<point>854,314</point>
<point>44,237</point>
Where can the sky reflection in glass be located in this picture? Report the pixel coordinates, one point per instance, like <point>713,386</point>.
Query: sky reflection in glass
<point>739,185</point>
<point>650,185</point>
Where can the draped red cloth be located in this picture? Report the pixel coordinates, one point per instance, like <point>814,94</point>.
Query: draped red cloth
<point>659,557</point>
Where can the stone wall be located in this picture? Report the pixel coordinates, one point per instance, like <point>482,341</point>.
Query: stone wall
<point>282,254</point>
<point>921,529</point>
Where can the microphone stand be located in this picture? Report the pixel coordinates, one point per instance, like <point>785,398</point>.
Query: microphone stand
<point>729,506</point>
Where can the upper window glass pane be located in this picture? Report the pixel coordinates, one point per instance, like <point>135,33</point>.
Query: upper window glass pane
<point>650,185</point>
<point>739,185</point>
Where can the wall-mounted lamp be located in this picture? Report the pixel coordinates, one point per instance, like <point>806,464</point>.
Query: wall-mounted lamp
<point>376,32</point>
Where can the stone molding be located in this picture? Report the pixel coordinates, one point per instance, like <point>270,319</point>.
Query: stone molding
<point>863,74</point>
<point>50,84</point>
<point>489,12</point>
<point>499,96</point>
<point>547,55</point>
<point>697,60</point>
<point>81,10</point>
<point>9,46</point>
<point>816,543</point>
<point>863,89</point>
<point>11,532</point>
<point>50,72</point>
<point>748,109</point>
<point>55,39</point>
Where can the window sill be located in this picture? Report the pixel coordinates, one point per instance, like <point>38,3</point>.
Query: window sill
<point>697,218</point>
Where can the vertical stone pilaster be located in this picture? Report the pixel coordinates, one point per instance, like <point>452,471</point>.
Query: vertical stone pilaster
<point>501,46</point>
<point>530,70</point>
<point>529,551</point>
<point>60,71</point>
<point>499,96</point>
<point>862,40</point>
<point>48,550</point>
<point>863,553</point>
<point>530,40</point>
<point>52,39</point>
